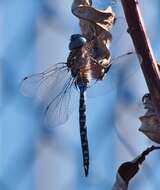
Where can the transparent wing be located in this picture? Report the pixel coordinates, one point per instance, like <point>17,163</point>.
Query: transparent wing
<point>51,88</point>
<point>42,85</point>
<point>121,72</point>
<point>61,106</point>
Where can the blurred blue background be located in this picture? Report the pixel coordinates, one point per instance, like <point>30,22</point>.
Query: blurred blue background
<point>34,35</point>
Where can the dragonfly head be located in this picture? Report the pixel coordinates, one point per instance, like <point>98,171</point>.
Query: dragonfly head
<point>77,41</point>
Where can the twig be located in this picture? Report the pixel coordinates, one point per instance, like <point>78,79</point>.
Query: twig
<point>143,48</point>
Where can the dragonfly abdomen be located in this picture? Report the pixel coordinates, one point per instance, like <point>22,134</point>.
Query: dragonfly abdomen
<point>83,133</point>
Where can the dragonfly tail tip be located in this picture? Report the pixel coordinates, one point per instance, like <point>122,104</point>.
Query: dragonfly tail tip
<point>86,168</point>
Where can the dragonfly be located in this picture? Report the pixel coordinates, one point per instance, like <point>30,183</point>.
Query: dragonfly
<point>54,87</point>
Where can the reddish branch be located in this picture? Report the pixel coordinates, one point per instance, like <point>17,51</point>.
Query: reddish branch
<point>142,45</point>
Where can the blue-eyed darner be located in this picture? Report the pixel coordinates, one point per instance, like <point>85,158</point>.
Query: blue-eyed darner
<point>89,60</point>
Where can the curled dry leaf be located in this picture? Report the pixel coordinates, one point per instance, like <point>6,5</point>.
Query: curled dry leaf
<point>96,26</point>
<point>93,21</point>
<point>150,121</point>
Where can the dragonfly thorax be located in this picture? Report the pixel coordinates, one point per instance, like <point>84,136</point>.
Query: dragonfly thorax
<point>85,67</point>
<point>79,63</point>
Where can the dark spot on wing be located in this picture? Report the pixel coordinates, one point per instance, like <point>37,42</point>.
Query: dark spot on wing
<point>25,78</point>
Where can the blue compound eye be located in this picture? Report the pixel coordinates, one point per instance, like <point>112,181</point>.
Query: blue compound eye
<point>75,36</point>
<point>77,41</point>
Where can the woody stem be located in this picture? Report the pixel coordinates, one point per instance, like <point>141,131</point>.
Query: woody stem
<point>143,48</point>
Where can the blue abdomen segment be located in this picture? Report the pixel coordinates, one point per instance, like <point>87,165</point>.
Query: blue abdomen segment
<point>82,87</point>
<point>77,41</point>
